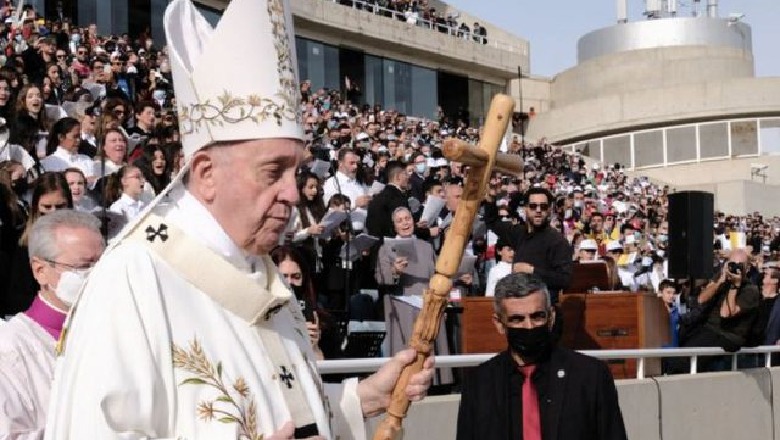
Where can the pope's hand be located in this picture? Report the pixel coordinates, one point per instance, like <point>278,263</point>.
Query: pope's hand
<point>287,432</point>
<point>375,391</point>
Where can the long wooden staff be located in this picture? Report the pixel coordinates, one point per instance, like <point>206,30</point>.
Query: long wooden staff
<point>481,160</point>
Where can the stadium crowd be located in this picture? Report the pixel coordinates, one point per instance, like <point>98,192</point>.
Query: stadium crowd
<point>89,124</point>
<point>419,13</point>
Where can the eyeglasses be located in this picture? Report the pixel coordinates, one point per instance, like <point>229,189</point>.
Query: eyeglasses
<point>297,276</point>
<point>71,266</point>
<point>536,318</point>
<point>539,206</point>
<point>60,57</point>
<point>82,52</point>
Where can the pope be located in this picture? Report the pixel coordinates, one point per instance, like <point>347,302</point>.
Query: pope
<point>184,329</point>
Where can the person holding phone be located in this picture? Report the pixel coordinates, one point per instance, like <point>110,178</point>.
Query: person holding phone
<point>322,329</point>
<point>729,306</point>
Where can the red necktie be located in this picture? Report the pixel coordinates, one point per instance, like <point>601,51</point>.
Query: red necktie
<point>532,425</point>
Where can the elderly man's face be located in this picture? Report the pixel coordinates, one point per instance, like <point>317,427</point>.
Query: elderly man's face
<point>78,249</point>
<point>252,190</point>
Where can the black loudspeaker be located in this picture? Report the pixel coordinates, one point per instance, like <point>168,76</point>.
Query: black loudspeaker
<point>691,215</point>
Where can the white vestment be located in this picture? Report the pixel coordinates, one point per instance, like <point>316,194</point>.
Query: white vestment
<point>149,354</point>
<point>26,370</point>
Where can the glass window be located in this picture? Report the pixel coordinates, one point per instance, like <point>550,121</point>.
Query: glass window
<point>714,140</point>
<point>424,93</point>
<point>397,85</point>
<point>681,144</point>
<point>374,92</point>
<point>649,148</point>
<point>618,150</point>
<point>476,102</point>
<point>770,135</point>
<point>744,138</point>
<point>318,62</point>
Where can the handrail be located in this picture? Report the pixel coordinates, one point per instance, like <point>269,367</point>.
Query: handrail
<point>366,365</point>
<point>420,21</point>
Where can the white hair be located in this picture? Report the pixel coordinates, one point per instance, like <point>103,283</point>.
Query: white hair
<point>43,239</point>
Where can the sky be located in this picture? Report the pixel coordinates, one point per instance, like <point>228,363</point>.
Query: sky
<point>553,27</point>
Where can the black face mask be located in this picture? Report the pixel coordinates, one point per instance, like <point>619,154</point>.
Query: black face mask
<point>298,291</point>
<point>20,186</point>
<point>533,345</point>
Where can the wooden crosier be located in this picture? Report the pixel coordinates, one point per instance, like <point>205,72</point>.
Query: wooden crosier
<point>482,160</point>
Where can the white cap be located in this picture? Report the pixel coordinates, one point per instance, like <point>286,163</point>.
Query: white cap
<point>588,245</point>
<point>614,246</point>
<point>223,93</point>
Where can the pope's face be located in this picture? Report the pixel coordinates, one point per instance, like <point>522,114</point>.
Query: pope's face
<point>254,191</point>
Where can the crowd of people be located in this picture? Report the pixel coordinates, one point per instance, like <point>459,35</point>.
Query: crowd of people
<point>89,125</point>
<point>419,13</point>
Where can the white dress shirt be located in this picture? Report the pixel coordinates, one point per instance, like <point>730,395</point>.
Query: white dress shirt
<point>350,188</point>
<point>128,207</point>
<point>63,159</point>
<point>500,270</point>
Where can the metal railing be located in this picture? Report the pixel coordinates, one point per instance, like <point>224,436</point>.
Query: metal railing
<point>455,32</point>
<point>366,365</point>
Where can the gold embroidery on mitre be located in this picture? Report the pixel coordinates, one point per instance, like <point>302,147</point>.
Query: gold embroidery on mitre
<point>285,64</point>
<point>234,404</point>
<point>229,109</point>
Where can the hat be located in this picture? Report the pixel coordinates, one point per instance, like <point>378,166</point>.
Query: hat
<point>588,245</point>
<point>253,102</point>
<point>614,246</point>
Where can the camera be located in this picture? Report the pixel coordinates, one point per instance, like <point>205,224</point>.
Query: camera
<point>736,268</point>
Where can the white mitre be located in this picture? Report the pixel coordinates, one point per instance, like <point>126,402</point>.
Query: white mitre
<point>235,82</point>
<point>238,81</point>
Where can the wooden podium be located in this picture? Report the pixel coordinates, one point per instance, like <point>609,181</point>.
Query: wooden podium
<point>598,321</point>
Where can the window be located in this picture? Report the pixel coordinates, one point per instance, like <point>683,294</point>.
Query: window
<point>681,144</point>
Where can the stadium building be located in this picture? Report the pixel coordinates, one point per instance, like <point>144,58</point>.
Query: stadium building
<point>673,96</point>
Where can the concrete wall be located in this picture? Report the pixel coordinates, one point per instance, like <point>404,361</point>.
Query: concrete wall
<point>339,25</point>
<point>649,69</point>
<point>622,112</point>
<point>535,93</point>
<point>719,406</point>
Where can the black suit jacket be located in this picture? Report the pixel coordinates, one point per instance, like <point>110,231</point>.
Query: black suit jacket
<point>379,221</point>
<point>579,401</point>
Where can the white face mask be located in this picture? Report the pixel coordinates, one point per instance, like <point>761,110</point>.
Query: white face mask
<point>70,285</point>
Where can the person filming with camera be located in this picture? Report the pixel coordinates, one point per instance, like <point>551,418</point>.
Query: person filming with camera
<point>729,306</point>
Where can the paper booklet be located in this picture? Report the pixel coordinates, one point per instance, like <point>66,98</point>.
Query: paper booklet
<point>431,210</point>
<point>331,221</point>
<point>403,247</point>
<point>357,246</point>
<point>321,168</point>
<point>376,188</point>
<point>467,264</point>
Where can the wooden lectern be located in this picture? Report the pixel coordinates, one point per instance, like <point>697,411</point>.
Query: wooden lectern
<point>598,321</point>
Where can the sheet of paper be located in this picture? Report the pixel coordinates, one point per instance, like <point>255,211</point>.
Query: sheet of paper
<point>431,210</point>
<point>415,301</point>
<point>467,264</point>
<point>358,218</point>
<point>331,221</point>
<point>55,112</point>
<point>376,188</point>
<point>403,247</point>
<point>358,245</point>
<point>321,168</point>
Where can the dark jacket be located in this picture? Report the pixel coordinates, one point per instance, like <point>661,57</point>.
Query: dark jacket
<point>547,250</point>
<point>577,395</point>
<point>379,222</point>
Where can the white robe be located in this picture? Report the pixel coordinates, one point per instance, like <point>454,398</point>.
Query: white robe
<point>26,370</point>
<point>149,355</point>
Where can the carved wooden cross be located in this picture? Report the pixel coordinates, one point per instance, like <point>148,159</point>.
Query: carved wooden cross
<point>482,160</point>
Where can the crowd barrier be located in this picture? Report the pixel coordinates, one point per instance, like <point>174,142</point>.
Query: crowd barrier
<point>697,406</point>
